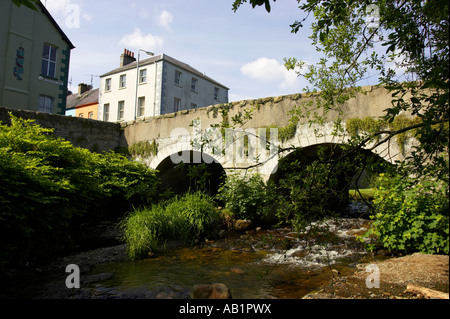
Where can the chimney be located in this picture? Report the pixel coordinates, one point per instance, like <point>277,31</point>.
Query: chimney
<point>127,57</point>
<point>82,87</point>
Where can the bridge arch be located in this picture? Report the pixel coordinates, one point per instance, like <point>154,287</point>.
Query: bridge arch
<point>348,178</point>
<point>187,170</point>
<point>309,154</point>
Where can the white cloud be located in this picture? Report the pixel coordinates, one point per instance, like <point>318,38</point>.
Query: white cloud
<point>270,70</point>
<point>139,40</point>
<point>165,19</point>
<point>87,16</point>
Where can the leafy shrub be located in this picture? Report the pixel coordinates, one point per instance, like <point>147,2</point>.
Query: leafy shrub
<point>48,186</point>
<point>311,192</point>
<point>188,218</point>
<point>245,197</point>
<point>411,216</point>
<point>122,184</point>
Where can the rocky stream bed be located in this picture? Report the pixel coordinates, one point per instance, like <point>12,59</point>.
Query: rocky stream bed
<point>256,263</point>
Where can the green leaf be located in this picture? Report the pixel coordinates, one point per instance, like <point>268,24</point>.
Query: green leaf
<point>28,3</point>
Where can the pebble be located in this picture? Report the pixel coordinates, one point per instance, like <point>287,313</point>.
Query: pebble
<point>237,270</point>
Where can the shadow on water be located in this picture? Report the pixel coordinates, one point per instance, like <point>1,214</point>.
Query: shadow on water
<point>263,264</point>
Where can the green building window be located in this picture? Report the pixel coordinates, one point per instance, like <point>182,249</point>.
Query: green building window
<point>46,104</point>
<point>49,61</point>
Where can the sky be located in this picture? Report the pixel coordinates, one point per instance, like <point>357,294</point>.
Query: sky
<point>243,50</point>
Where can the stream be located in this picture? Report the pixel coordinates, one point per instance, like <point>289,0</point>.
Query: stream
<point>253,264</point>
<point>267,264</point>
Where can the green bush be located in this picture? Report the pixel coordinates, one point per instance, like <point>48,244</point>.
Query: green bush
<point>123,184</point>
<point>48,187</point>
<point>187,219</point>
<point>411,216</point>
<point>245,197</point>
<point>311,192</point>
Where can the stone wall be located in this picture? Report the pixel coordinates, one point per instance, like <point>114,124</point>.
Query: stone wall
<point>270,111</point>
<point>94,135</point>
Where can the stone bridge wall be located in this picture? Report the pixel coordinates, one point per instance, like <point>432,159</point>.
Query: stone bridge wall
<point>267,112</point>
<point>270,111</point>
<point>94,135</point>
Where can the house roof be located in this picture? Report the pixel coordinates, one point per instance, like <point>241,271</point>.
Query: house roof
<point>49,16</point>
<point>163,57</point>
<point>76,100</point>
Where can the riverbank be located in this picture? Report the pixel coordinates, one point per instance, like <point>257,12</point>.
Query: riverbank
<point>396,274</point>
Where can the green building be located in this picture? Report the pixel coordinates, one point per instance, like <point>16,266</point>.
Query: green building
<point>34,59</point>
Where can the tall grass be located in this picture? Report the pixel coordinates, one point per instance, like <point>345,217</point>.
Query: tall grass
<point>187,219</point>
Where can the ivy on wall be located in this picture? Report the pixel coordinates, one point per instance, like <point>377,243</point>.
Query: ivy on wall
<point>357,127</point>
<point>143,149</point>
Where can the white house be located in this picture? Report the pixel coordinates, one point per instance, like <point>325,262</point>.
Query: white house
<point>164,85</point>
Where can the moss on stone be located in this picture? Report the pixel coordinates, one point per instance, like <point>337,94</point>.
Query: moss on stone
<point>143,149</point>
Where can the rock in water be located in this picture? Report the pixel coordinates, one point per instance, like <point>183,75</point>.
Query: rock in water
<point>242,224</point>
<point>210,291</point>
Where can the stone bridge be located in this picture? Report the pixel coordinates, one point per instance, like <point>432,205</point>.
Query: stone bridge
<point>163,142</point>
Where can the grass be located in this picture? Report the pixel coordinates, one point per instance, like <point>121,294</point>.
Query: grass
<point>187,219</point>
<point>366,193</point>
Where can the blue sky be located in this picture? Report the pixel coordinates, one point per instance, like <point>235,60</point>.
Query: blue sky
<point>244,50</point>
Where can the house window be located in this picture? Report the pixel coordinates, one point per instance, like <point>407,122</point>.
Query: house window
<point>108,85</point>
<point>123,81</point>
<point>106,112</point>
<point>143,76</point>
<point>91,115</point>
<point>81,115</point>
<point>141,107</point>
<point>176,104</point>
<point>49,61</point>
<point>194,85</point>
<point>121,112</point>
<point>178,78</point>
<point>216,93</point>
<point>45,104</point>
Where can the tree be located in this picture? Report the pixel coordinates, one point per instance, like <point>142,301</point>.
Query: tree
<point>28,3</point>
<point>414,67</point>
<point>405,45</point>
<point>254,3</point>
